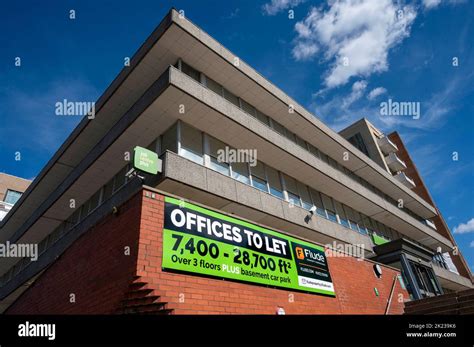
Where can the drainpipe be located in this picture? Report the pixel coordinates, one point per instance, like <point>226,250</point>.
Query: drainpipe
<point>391,294</point>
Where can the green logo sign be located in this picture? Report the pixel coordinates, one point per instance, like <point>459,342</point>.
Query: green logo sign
<point>378,240</point>
<point>201,241</point>
<point>146,161</point>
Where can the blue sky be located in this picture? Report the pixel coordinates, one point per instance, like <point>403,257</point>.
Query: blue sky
<point>403,57</point>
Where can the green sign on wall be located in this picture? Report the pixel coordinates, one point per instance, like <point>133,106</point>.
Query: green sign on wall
<point>378,240</point>
<point>146,161</point>
<point>201,241</point>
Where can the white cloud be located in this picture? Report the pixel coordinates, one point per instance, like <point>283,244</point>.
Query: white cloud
<point>276,6</point>
<point>356,36</point>
<point>358,89</point>
<point>376,92</point>
<point>431,3</point>
<point>471,244</point>
<point>435,110</point>
<point>303,51</point>
<point>465,228</point>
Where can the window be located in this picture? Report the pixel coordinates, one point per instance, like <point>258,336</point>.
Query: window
<point>214,86</point>
<point>425,280</point>
<point>292,190</point>
<point>263,118</point>
<point>191,72</point>
<point>362,225</point>
<point>169,139</point>
<point>358,221</point>
<point>259,179</point>
<point>332,162</point>
<point>12,196</point>
<point>358,142</point>
<point>370,226</point>
<point>352,218</point>
<point>394,233</point>
<point>318,202</point>
<point>108,189</point>
<point>289,135</point>
<point>217,163</point>
<point>240,172</point>
<point>153,146</point>
<point>75,218</point>
<point>324,158</point>
<point>119,179</point>
<point>248,108</point>
<point>305,197</point>
<point>231,97</point>
<point>340,167</point>
<point>274,182</point>
<point>382,231</point>
<point>342,214</point>
<point>328,205</point>
<point>93,202</point>
<point>353,224</point>
<point>300,142</point>
<point>278,127</point>
<point>191,143</point>
<point>314,151</point>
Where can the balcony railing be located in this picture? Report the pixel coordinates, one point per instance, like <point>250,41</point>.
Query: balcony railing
<point>395,163</point>
<point>386,146</point>
<point>405,180</point>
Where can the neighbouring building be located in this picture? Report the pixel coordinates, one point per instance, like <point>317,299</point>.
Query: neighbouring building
<point>11,190</point>
<point>259,207</point>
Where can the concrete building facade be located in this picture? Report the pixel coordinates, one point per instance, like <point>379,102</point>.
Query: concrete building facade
<point>103,234</point>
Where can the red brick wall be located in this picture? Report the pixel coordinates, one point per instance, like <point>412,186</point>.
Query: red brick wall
<point>95,269</point>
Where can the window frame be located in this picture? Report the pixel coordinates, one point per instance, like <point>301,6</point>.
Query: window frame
<point>254,177</point>
<point>13,192</point>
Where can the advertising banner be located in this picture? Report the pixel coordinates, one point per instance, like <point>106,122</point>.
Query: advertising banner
<point>201,241</point>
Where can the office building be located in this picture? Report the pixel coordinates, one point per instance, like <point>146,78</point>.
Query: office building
<point>310,221</point>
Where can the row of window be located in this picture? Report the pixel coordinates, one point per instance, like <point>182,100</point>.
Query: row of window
<point>251,110</point>
<point>204,149</point>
